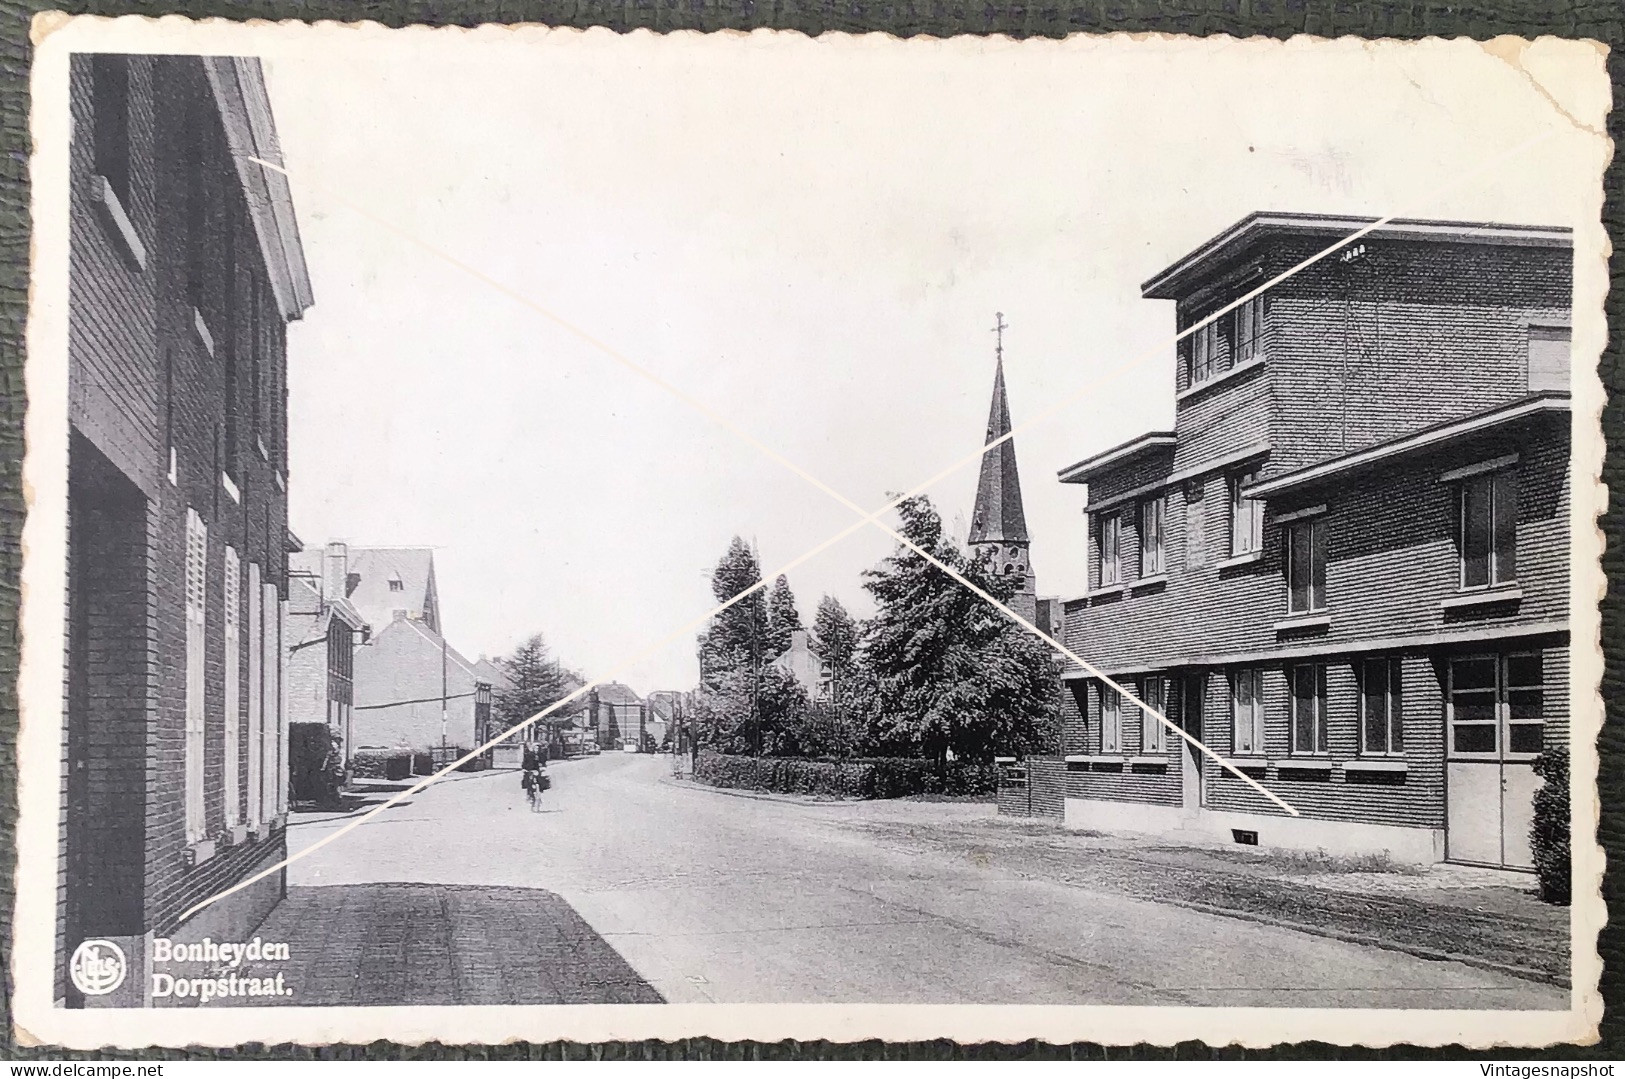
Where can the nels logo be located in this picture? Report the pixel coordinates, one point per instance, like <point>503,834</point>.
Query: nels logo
<point>97,967</point>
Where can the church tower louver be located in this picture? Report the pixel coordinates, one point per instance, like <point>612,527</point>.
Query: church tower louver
<point>998,532</point>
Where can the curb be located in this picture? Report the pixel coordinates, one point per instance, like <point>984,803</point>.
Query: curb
<point>760,796</point>
<point>1525,973</point>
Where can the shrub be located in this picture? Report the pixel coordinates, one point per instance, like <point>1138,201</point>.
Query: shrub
<point>1549,833</point>
<point>381,763</point>
<point>315,763</point>
<point>872,777</point>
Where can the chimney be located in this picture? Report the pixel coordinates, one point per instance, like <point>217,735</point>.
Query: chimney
<point>335,568</point>
<point>798,640</point>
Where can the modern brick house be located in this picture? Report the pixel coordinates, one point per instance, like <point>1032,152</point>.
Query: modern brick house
<point>323,632</point>
<point>1346,567</point>
<point>185,268</point>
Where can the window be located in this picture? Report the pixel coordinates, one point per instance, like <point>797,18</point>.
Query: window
<point>1204,352</point>
<point>1246,517</point>
<point>1306,565</point>
<point>1548,358</point>
<point>1247,709</point>
<point>1152,518</point>
<point>1111,720</point>
<point>396,585</point>
<point>1487,538</point>
<point>1247,330</point>
<point>110,132</point>
<point>232,712</point>
<point>1153,733</point>
<point>197,561</point>
<point>1497,706</point>
<point>1309,709</point>
<point>1111,549</point>
<point>1381,713</point>
<point>1195,526</point>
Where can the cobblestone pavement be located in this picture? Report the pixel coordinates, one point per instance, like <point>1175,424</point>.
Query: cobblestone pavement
<point>383,944</point>
<point>716,898</point>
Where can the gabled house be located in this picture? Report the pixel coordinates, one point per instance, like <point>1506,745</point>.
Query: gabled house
<point>1345,568</point>
<point>803,663</point>
<point>382,583</point>
<point>323,633</point>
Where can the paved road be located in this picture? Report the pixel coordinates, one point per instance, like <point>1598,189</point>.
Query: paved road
<point>713,897</point>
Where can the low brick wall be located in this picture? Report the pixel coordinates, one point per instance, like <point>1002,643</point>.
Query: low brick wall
<point>1034,787</point>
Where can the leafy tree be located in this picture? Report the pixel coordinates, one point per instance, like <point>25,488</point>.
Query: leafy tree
<point>835,633</point>
<point>949,672</point>
<point>736,638</point>
<point>782,617</point>
<point>761,714</point>
<point>535,681</point>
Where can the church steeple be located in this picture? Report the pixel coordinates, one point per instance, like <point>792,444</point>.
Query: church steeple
<point>998,531</point>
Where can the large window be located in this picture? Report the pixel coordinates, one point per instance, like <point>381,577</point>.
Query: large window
<point>1111,720</point>
<point>1309,709</point>
<point>197,562</point>
<point>1247,712</point>
<point>1497,706</point>
<point>1246,517</point>
<point>110,131</point>
<point>1153,734</point>
<point>1153,518</point>
<point>1247,322</point>
<point>1111,549</point>
<point>1381,712</point>
<point>1488,529</point>
<point>1306,565</point>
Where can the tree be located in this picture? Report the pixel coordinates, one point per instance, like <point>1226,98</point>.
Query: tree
<point>737,636</point>
<point>835,633</point>
<point>835,637</point>
<point>782,617</point>
<point>535,681</point>
<point>949,672</point>
<point>748,712</point>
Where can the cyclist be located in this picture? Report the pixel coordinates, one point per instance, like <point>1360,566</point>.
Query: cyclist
<point>531,765</point>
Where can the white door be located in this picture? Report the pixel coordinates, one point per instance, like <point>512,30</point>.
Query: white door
<point>1496,723</point>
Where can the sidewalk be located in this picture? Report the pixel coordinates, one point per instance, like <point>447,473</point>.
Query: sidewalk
<point>1484,918</point>
<point>398,944</point>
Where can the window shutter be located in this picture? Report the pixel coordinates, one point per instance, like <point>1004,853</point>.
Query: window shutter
<point>197,555</point>
<point>256,692</point>
<point>231,713</point>
<point>1195,527</point>
<point>1548,358</point>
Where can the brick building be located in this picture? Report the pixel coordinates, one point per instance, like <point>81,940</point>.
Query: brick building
<point>1345,569</point>
<point>324,630</point>
<point>185,267</point>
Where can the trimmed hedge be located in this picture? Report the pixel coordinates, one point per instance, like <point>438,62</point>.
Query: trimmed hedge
<point>867,777</point>
<point>1549,832</point>
<point>381,763</point>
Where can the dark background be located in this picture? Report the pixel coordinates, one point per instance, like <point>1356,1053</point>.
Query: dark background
<point>1603,20</point>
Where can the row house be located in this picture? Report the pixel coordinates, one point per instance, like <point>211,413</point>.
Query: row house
<point>1345,569</point>
<point>185,269</point>
<point>324,631</point>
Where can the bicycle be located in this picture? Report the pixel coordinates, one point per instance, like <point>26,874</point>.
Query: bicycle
<point>533,791</point>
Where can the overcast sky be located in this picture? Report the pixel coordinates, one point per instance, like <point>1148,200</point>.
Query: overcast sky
<point>812,237</point>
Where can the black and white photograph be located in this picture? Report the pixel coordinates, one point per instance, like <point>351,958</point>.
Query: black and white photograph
<point>838,537</point>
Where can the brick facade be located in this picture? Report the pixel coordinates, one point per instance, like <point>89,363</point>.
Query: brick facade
<point>1355,410</point>
<point>177,404</point>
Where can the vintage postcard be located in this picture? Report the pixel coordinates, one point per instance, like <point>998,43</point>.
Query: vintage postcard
<point>552,534</point>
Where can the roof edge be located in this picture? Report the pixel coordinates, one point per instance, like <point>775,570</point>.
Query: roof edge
<point>1165,285</point>
<point>1124,451</point>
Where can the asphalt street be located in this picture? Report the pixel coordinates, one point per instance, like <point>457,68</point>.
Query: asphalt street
<point>717,897</point>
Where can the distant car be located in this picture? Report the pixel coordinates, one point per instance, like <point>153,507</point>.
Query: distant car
<point>629,747</point>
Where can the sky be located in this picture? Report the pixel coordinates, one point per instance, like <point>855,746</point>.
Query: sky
<point>810,238</point>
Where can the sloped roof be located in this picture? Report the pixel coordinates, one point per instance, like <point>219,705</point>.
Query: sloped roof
<point>372,569</point>
<point>617,693</point>
<point>663,703</point>
<point>486,671</point>
<point>999,517</point>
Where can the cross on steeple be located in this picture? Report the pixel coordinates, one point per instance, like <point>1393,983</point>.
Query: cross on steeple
<point>999,326</point>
